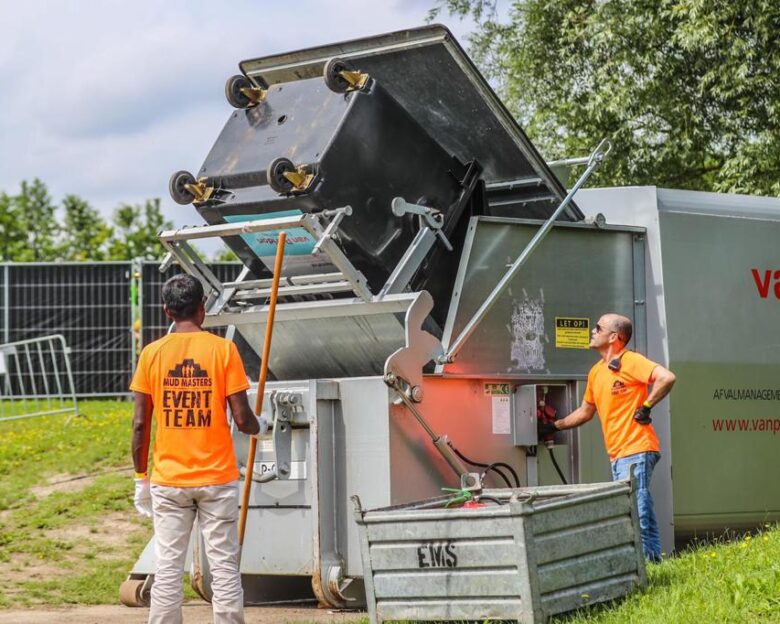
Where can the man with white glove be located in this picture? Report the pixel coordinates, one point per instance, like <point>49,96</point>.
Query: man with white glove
<point>186,379</point>
<point>142,499</point>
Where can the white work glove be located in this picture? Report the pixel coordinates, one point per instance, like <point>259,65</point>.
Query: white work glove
<point>262,423</point>
<point>143,497</point>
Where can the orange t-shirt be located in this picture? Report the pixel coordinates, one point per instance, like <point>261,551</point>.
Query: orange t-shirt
<point>189,377</point>
<point>617,395</point>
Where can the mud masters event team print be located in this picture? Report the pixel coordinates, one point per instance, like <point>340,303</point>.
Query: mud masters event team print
<point>186,399</point>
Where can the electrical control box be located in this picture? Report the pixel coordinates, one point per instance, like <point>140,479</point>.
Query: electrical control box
<point>532,401</point>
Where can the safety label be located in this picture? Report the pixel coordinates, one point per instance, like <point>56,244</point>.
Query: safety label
<point>498,389</point>
<point>501,394</point>
<point>572,333</point>
<point>501,408</point>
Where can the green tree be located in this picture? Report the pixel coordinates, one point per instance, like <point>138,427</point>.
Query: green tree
<point>136,230</point>
<point>13,238</point>
<point>86,235</point>
<point>35,211</point>
<point>687,90</point>
<point>226,254</point>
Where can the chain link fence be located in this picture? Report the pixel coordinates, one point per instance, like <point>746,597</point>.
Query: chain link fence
<point>105,311</point>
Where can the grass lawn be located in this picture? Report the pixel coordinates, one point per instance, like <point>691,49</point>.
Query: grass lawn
<point>68,530</point>
<point>732,581</point>
<point>69,533</point>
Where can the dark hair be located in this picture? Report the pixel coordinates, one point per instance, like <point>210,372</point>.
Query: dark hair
<point>622,326</point>
<point>181,295</point>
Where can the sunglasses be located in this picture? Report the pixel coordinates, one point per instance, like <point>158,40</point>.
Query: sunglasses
<point>600,329</point>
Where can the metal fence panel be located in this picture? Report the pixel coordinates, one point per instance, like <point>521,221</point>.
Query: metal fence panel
<point>106,312</point>
<point>154,324</point>
<point>36,378</point>
<point>88,304</point>
<point>4,294</point>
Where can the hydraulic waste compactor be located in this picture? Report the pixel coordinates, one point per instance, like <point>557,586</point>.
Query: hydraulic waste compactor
<point>422,322</point>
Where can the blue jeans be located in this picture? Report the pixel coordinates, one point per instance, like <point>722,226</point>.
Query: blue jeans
<point>644,462</point>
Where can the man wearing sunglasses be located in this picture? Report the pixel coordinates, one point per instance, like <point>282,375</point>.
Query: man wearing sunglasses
<point>618,389</point>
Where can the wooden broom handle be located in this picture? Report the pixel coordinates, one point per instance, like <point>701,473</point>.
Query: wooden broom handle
<point>269,329</point>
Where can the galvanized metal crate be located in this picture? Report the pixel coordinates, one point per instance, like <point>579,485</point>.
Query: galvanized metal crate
<point>542,551</point>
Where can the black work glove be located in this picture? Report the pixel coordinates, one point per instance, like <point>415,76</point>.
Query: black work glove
<point>642,414</point>
<point>545,430</point>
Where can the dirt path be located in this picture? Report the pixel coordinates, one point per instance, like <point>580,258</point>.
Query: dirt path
<point>194,613</point>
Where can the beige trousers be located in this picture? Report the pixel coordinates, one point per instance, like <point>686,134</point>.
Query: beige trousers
<point>174,510</point>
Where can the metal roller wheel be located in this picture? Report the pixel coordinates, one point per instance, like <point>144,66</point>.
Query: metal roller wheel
<point>275,174</point>
<point>132,594</point>
<point>235,97</point>
<point>332,75</point>
<point>177,187</point>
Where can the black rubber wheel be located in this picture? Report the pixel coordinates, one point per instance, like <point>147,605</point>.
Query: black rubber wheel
<point>276,171</point>
<point>233,93</point>
<point>176,187</point>
<point>332,75</point>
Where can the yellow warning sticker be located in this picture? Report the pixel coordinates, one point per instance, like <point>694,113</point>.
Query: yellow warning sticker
<point>572,333</point>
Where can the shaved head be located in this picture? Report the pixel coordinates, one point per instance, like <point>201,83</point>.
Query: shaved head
<point>622,326</point>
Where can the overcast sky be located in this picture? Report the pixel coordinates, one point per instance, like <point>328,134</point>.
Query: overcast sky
<point>106,98</point>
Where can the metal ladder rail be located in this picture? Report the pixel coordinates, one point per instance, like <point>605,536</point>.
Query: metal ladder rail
<point>320,283</point>
<point>349,278</point>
